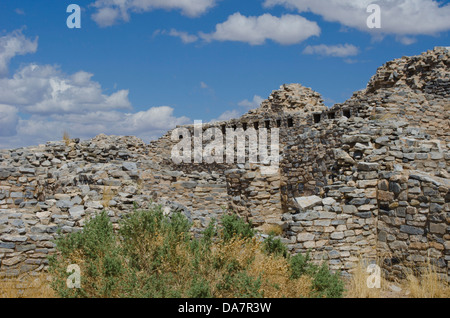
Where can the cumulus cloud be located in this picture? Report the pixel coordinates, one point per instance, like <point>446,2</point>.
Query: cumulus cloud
<point>45,89</point>
<point>399,17</point>
<point>287,29</point>
<point>332,50</point>
<point>8,120</point>
<point>110,12</point>
<point>149,124</point>
<point>53,102</point>
<point>255,103</point>
<point>14,44</point>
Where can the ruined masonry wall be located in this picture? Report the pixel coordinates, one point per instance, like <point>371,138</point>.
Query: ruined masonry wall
<point>369,177</point>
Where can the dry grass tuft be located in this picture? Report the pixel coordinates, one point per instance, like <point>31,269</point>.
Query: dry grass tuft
<point>27,286</point>
<point>66,138</point>
<point>358,286</point>
<point>274,229</point>
<point>427,284</point>
<point>424,283</point>
<point>107,195</point>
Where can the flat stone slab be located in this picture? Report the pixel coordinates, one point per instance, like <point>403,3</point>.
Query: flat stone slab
<point>422,176</point>
<point>305,203</point>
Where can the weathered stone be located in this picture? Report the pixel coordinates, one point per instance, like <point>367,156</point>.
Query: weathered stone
<point>305,203</point>
<point>340,154</point>
<point>129,166</point>
<point>13,238</point>
<point>337,235</point>
<point>307,216</point>
<point>349,209</point>
<point>368,166</point>
<point>76,211</point>
<point>64,204</point>
<point>328,201</point>
<point>411,230</point>
<point>303,237</point>
<point>27,170</point>
<point>438,228</point>
<point>12,261</point>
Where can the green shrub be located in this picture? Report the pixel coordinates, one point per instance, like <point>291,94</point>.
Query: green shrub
<point>301,265</point>
<point>200,289</point>
<point>99,254</point>
<point>155,256</point>
<point>233,226</point>
<point>327,284</point>
<point>275,246</point>
<point>324,283</point>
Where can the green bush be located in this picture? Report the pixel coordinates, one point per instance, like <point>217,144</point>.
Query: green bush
<point>275,246</point>
<point>301,265</point>
<point>233,227</point>
<point>98,251</point>
<point>324,284</point>
<point>155,256</point>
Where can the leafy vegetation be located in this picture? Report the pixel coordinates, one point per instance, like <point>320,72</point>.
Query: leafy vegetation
<point>156,256</point>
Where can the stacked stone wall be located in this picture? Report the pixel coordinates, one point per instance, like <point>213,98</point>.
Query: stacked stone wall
<point>366,178</point>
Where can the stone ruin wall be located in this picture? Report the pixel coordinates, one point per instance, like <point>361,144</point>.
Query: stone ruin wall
<point>369,177</point>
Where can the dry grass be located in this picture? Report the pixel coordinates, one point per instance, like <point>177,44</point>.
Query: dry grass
<point>358,286</point>
<point>27,287</point>
<point>107,195</point>
<point>427,284</point>
<point>66,138</point>
<point>274,229</point>
<point>273,271</point>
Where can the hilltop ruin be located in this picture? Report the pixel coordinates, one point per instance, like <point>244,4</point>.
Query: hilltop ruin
<point>369,177</point>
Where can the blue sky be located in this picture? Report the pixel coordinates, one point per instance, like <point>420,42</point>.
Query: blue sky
<point>140,67</point>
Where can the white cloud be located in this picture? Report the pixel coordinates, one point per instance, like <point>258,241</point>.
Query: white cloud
<point>332,50</point>
<point>351,61</point>
<point>108,16</point>
<point>406,40</point>
<point>184,36</point>
<point>398,17</point>
<point>54,102</point>
<point>287,29</point>
<point>255,103</point>
<point>111,11</point>
<point>45,89</point>
<point>8,120</point>
<point>229,114</point>
<point>203,85</point>
<point>14,44</point>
